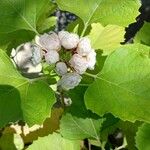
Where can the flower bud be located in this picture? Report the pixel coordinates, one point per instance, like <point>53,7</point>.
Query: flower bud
<point>48,41</point>
<point>36,54</point>
<point>23,55</point>
<point>52,57</point>
<point>79,63</point>
<point>33,69</point>
<point>27,57</point>
<point>91,59</point>
<point>62,34</point>
<point>84,46</point>
<point>68,40</point>
<point>61,68</point>
<point>69,81</point>
<point>67,101</point>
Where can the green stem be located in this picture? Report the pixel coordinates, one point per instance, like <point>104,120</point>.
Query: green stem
<point>84,30</point>
<point>103,145</point>
<point>41,78</point>
<point>90,75</point>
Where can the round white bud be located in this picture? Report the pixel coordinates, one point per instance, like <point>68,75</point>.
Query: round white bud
<point>52,57</point>
<point>61,68</point>
<point>91,59</point>
<point>23,55</point>
<point>84,46</point>
<point>69,81</point>
<point>36,55</point>
<point>33,69</point>
<point>79,63</point>
<point>67,101</point>
<point>68,40</point>
<point>27,57</point>
<point>62,34</point>
<point>48,41</point>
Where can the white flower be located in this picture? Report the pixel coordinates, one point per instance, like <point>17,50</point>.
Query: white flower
<point>79,63</point>
<point>62,34</point>
<point>23,55</point>
<point>68,40</point>
<point>84,46</point>
<point>52,57</point>
<point>49,41</point>
<point>69,81</point>
<point>91,59</point>
<point>61,68</point>
<point>36,55</point>
<point>27,57</point>
<point>33,69</point>
<point>67,101</point>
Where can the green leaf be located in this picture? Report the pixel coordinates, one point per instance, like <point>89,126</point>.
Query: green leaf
<point>106,38</point>
<point>13,39</point>
<point>21,98</point>
<point>20,20</point>
<point>104,11</point>
<point>111,124</point>
<point>78,123</point>
<point>47,24</point>
<point>54,141</point>
<point>142,137</point>
<point>143,35</point>
<point>24,14</point>
<point>11,142</point>
<point>73,127</point>
<point>129,129</point>
<point>76,26</point>
<point>122,87</point>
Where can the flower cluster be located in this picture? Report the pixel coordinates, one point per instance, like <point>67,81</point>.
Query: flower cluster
<point>82,56</point>
<point>71,55</point>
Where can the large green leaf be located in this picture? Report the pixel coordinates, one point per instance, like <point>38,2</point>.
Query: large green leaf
<point>20,14</point>
<point>106,38</point>
<point>142,137</point>
<point>104,11</point>
<point>21,98</point>
<point>122,87</point>
<point>54,141</point>
<point>143,35</point>
<point>22,19</point>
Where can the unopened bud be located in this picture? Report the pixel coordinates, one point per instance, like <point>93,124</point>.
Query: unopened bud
<point>61,68</point>
<point>84,47</point>
<point>49,41</point>
<point>91,59</point>
<point>69,81</point>
<point>52,57</point>
<point>79,63</point>
<point>68,40</point>
<point>36,55</point>
<point>27,57</point>
<point>67,101</point>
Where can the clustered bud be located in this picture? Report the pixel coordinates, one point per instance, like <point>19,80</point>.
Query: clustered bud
<point>50,47</point>
<point>27,57</point>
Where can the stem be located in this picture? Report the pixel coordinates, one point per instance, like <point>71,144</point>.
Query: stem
<point>84,30</point>
<point>103,145</point>
<point>84,84</point>
<point>89,145</point>
<point>41,78</point>
<point>90,75</point>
